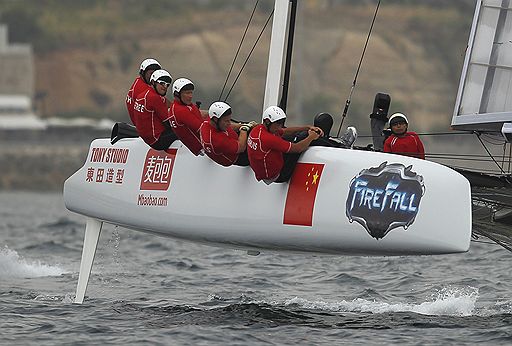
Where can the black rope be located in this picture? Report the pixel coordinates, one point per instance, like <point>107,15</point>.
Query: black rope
<point>488,152</point>
<point>246,60</point>
<point>238,50</point>
<point>347,103</point>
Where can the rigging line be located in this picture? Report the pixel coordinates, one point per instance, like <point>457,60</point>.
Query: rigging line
<point>347,103</point>
<point>496,240</point>
<point>457,155</point>
<point>489,203</point>
<point>488,152</point>
<point>428,134</point>
<point>238,50</point>
<point>504,154</point>
<point>492,141</point>
<point>483,170</point>
<point>443,133</point>
<point>493,137</point>
<point>454,158</point>
<point>509,156</point>
<point>483,242</point>
<point>248,56</point>
<point>495,140</point>
<point>492,134</point>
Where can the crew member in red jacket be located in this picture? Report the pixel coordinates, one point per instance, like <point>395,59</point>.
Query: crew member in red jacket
<point>401,141</point>
<point>151,113</point>
<point>219,139</point>
<point>141,83</point>
<point>185,117</point>
<point>265,147</point>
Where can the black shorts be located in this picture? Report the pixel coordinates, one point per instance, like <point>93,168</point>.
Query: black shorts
<point>166,139</point>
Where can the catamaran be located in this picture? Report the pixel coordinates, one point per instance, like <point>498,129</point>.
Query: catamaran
<point>338,202</point>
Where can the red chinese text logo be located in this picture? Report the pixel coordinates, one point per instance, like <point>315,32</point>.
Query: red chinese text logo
<point>157,170</point>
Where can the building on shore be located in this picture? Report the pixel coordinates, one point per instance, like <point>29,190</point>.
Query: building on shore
<point>16,85</point>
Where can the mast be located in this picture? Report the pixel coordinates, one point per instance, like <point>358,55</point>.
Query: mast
<point>276,53</point>
<point>289,50</point>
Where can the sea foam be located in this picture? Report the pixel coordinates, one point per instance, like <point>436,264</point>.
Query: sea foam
<point>451,301</point>
<point>12,265</point>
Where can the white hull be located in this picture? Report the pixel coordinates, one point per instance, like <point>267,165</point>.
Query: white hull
<point>208,203</point>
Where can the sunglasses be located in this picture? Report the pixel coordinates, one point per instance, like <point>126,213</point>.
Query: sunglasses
<point>164,84</point>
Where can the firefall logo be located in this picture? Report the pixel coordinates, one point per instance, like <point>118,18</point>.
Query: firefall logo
<point>157,171</point>
<point>385,197</point>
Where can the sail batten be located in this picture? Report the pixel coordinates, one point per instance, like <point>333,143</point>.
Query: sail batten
<point>484,99</point>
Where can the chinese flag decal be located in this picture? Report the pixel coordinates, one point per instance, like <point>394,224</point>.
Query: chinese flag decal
<point>300,200</point>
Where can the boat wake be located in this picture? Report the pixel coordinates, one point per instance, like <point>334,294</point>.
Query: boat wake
<point>12,265</point>
<point>447,308</point>
<point>448,301</point>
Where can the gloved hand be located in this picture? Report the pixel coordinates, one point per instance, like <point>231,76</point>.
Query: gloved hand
<point>244,128</point>
<point>317,130</point>
<point>252,124</point>
<point>313,133</point>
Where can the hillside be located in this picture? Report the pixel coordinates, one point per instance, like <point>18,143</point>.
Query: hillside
<point>88,55</point>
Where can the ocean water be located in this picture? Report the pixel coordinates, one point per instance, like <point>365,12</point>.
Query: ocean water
<point>159,291</point>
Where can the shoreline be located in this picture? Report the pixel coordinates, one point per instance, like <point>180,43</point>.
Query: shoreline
<point>41,160</point>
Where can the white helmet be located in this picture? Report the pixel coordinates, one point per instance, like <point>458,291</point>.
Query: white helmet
<point>162,75</point>
<point>180,83</point>
<point>396,118</point>
<point>149,63</point>
<point>273,114</point>
<point>218,109</point>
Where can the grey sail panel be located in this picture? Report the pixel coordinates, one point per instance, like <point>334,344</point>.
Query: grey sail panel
<point>484,99</point>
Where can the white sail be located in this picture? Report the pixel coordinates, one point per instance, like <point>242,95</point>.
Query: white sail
<point>484,99</point>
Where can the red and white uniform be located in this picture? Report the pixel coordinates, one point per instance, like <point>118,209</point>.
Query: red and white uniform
<point>150,112</point>
<point>137,88</point>
<point>409,145</point>
<point>186,121</point>
<point>220,146</point>
<point>265,151</point>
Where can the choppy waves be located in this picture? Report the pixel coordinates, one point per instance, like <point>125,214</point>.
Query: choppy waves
<point>154,290</point>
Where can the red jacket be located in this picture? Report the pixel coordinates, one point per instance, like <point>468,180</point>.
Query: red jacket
<point>138,87</point>
<point>150,112</point>
<point>408,144</point>
<point>265,151</point>
<point>186,121</point>
<point>220,146</point>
